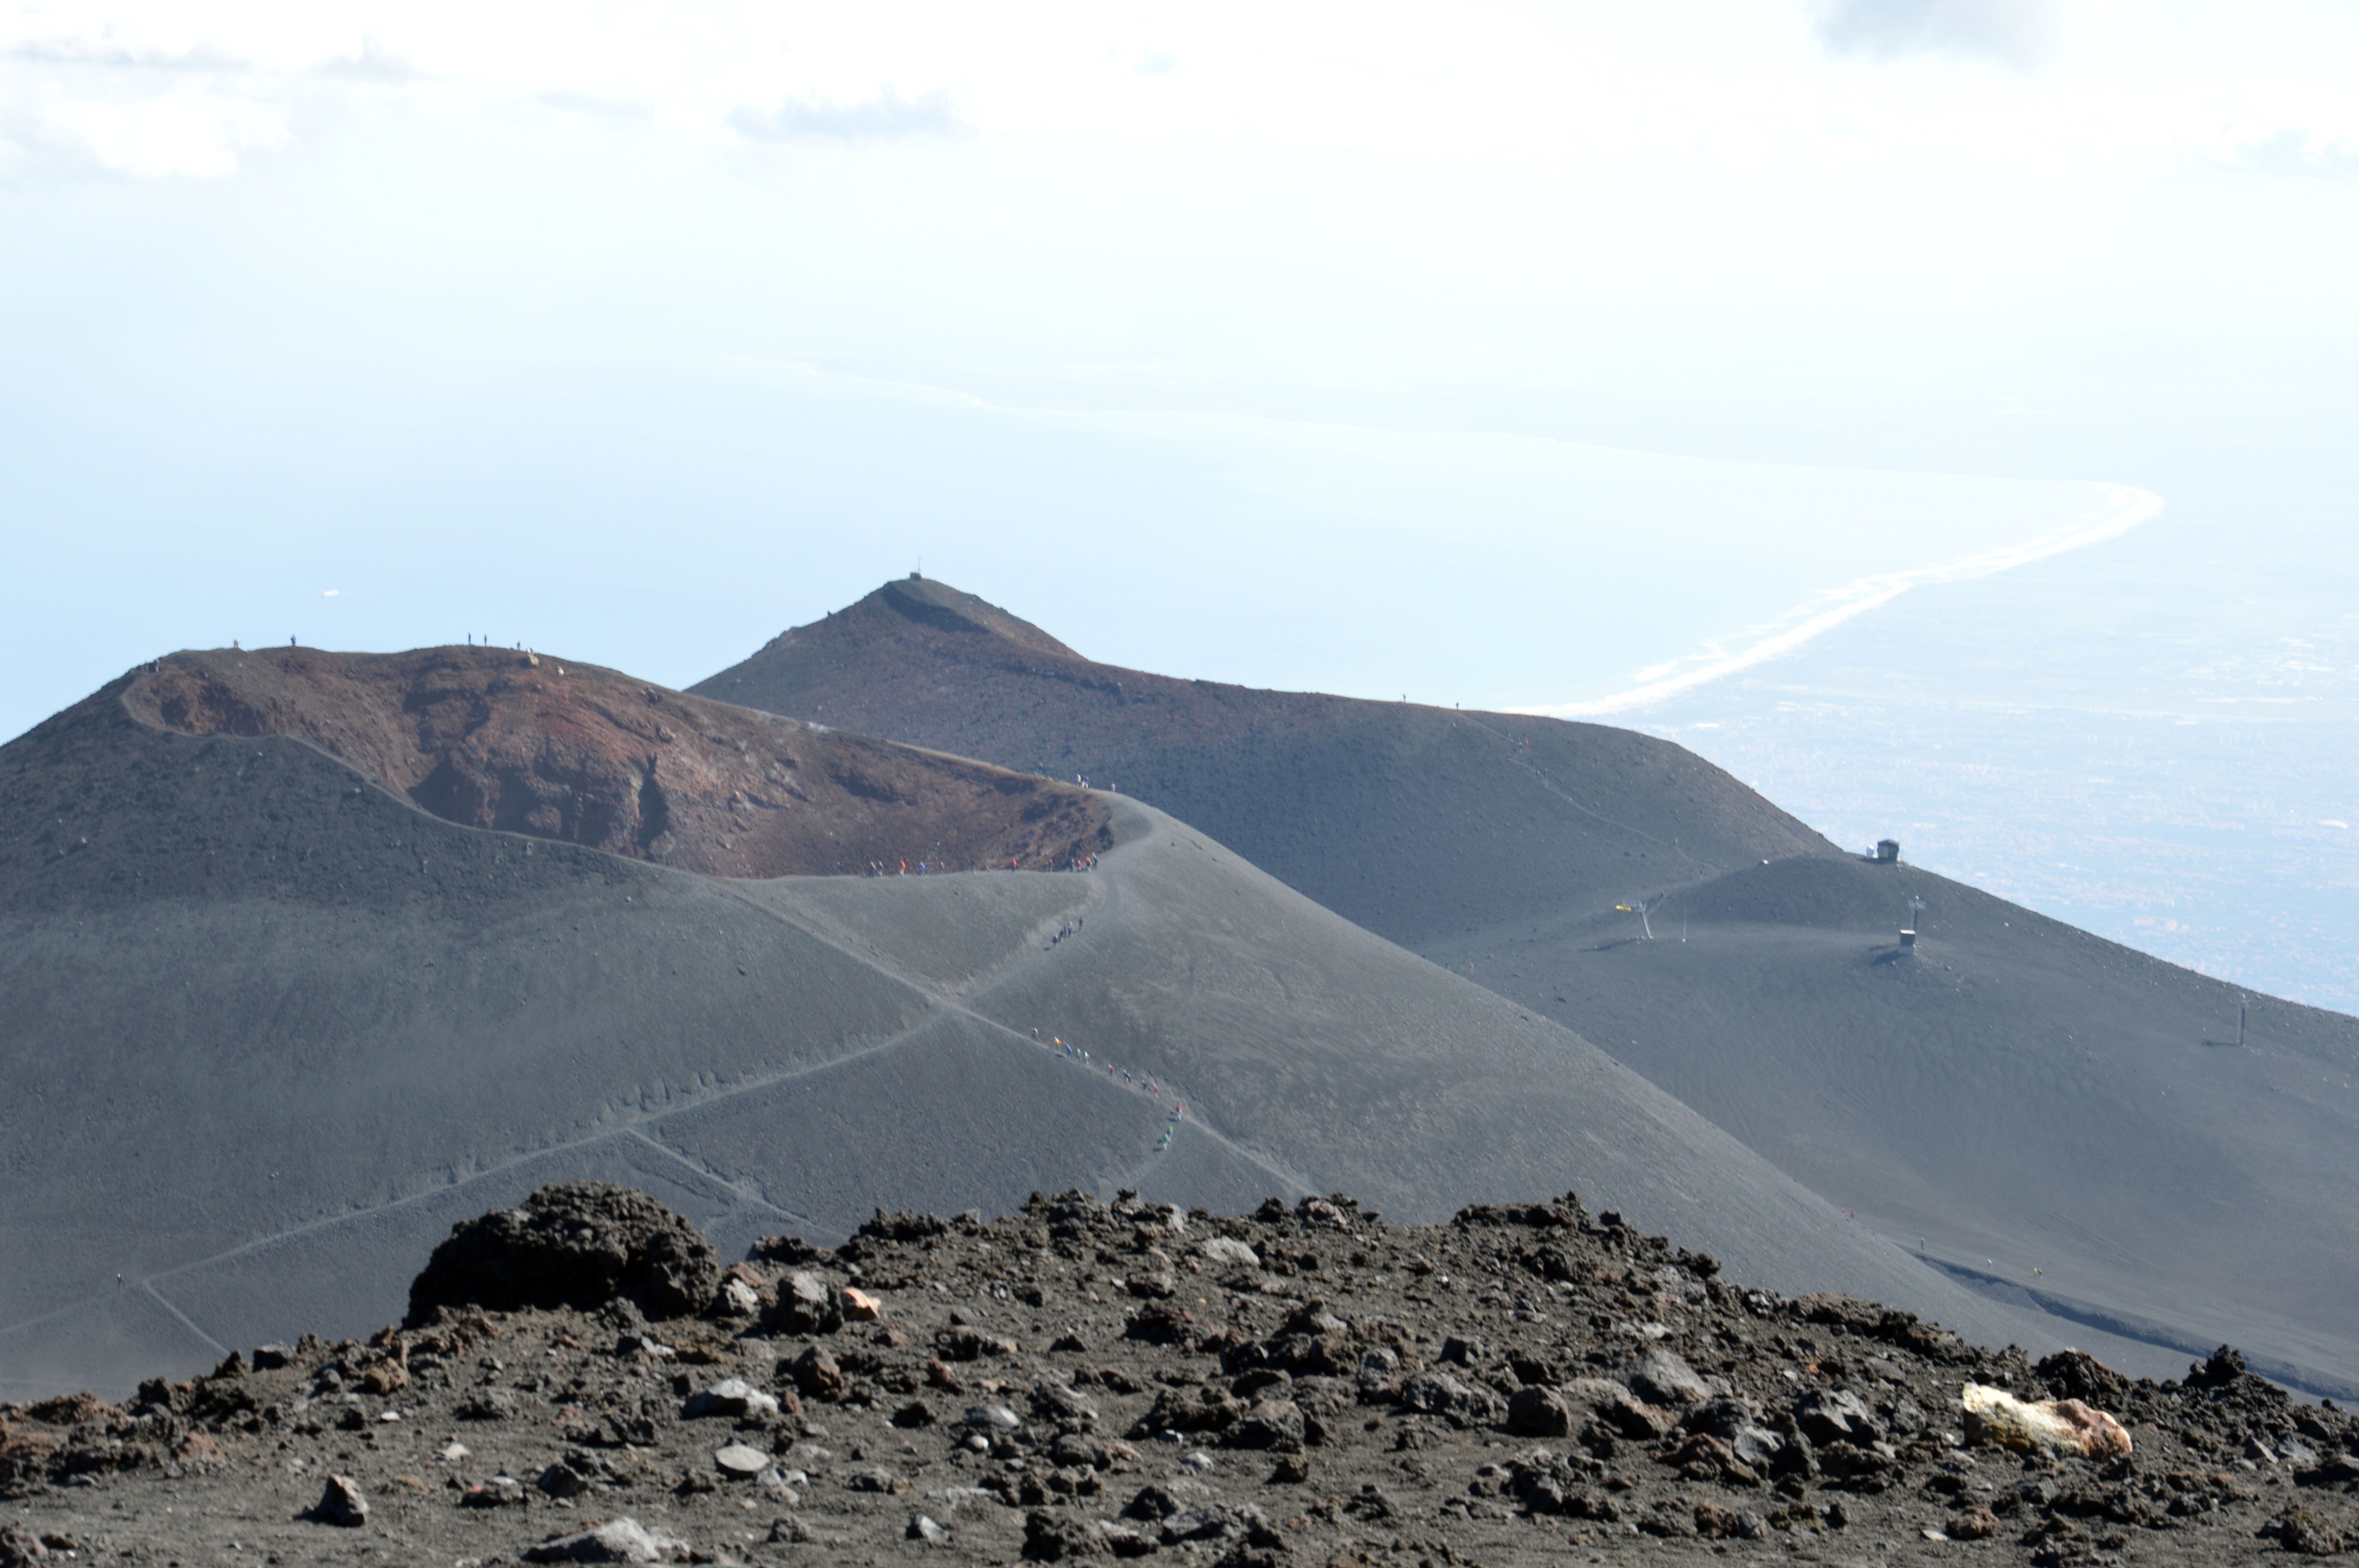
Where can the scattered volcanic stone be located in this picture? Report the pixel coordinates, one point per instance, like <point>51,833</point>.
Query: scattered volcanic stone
<point>1836,1416</point>
<point>1273,1424</point>
<point>578,1244</point>
<point>741,1460</point>
<point>1055,1537</point>
<point>342,1504</point>
<point>1534,1412</point>
<point>619,1540</point>
<point>2302,1532</point>
<point>562,1481</point>
<point>817,1375</point>
<point>499,1492</point>
<point>197,1451</point>
<point>2219,1370</point>
<point>805,1306</point>
<point>2050,1426</point>
<point>1439,1393</point>
<point>1287,1432</point>
<point>1061,1403</point>
<point>1660,1377</point>
<point>731,1397</point>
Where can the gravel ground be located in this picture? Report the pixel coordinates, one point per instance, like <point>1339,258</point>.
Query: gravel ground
<point>1305,1386</point>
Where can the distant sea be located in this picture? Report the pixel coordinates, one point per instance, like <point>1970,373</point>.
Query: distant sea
<point>2153,739</point>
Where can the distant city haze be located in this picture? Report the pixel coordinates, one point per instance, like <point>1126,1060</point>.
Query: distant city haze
<point>1989,365</point>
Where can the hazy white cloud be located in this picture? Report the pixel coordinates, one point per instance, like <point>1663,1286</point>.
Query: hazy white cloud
<point>2300,152</point>
<point>1726,150</point>
<point>592,103</point>
<point>371,63</point>
<point>1726,84</point>
<point>185,133</point>
<point>2016,31</point>
<point>886,115</point>
<point>105,56</point>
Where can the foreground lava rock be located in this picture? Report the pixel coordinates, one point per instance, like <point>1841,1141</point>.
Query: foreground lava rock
<point>1084,1381</point>
<point>576,1244</point>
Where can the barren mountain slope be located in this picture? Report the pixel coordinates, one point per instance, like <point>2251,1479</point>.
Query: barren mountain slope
<point>273,1026</point>
<point>1417,822</point>
<point>2019,1092</point>
<point>2020,1095</point>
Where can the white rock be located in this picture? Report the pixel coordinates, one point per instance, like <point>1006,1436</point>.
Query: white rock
<point>730,1397</point>
<point>1228,1249</point>
<point>2053,1426</point>
<point>621,1540</point>
<point>738,1459</point>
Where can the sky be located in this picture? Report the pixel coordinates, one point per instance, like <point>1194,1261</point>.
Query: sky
<point>1564,356</point>
<point>453,312</point>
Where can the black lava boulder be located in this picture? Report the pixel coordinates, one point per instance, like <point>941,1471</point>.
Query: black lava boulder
<point>579,1244</point>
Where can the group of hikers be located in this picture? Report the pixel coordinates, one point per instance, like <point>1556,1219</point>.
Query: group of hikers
<point>1146,1086</point>
<point>1079,862</point>
<point>927,869</point>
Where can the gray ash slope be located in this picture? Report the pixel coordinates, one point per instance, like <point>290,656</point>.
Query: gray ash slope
<point>1420,823</point>
<point>272,1028</point>
<point>2020,1092</point>
<point>2020,1095</point>
<point>1084,1381</point>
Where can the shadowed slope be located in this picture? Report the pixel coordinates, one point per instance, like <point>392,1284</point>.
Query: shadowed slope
<point>1416,823</point>
<point>499,739</point>
<point>272,1030</point>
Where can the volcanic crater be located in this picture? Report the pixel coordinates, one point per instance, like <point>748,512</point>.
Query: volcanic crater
<point>529,744</point>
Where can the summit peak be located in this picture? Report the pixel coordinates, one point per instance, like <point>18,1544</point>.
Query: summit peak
<point>937,606</point>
